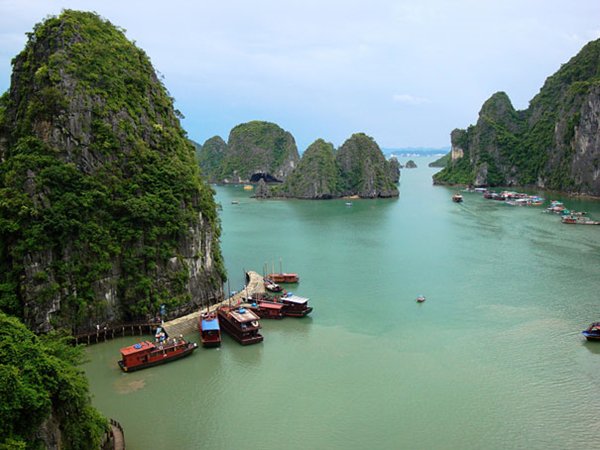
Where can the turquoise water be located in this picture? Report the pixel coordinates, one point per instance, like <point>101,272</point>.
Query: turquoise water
<point>493,359</point>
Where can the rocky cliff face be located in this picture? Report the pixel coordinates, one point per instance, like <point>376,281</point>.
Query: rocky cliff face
<point>553,144</point>
<point>210,158</point>
<point>364,170</point>
<point>317,175</point>
<point>103,215</point>
<point>258,150</point>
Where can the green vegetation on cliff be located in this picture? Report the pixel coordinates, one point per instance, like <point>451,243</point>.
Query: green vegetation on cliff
<point>259,148</point>
<point>317,175</point>
<point>40,384</point>
<point>210,158</point>
<point>552,144</point>
<point>365,171</point>
<point>99,188</point>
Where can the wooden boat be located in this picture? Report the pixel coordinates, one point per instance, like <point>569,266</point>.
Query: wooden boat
<point>578,220</point>
<point>210,330</point>
<point>266,309</point>
<point>295,306</point>
<point>457,198</point>
<point>284,277</point>
<point>592,333</point>
<point>271,286</point>
<point>241,324</point>
<point>420,299</point>
<point>147,354</point>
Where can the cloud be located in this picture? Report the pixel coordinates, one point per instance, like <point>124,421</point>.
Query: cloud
<point>408,99</point>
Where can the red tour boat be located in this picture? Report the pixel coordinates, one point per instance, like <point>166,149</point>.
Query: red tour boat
<point>267,309</point>
<point>210,330</point>
<point>241,324</point>
<point>148,354</point>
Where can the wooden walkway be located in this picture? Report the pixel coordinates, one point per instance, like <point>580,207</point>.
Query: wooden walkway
<point>188,324</point>
<point>102,334</point>
<point>114,438</point>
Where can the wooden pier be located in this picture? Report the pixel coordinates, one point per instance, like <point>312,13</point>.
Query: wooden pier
<point>182,325</point>
<point>188,324</point>
<point>102,334</point>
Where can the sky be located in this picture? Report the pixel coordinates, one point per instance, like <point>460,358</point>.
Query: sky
<point>404,72</point>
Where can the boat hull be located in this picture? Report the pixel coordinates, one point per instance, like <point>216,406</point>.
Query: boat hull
<point>297,313</point>
<point>591,336</point>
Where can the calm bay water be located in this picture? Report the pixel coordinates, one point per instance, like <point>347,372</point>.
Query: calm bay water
<point>493,359</point>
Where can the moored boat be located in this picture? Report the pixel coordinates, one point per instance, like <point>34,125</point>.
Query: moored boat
<point>592,333</point>
<point>295,306</point>
<point>241,324</point>
<point>147,354</point>
<point>266,309</point>
<point>210,329</point>
<point>271,286</point>
<point>284,277</point>
<point>457,198</point>
<point>578,220</point>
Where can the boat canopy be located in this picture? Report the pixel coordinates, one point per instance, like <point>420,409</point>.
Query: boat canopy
<point>210,325</point>
<point>294,299</point>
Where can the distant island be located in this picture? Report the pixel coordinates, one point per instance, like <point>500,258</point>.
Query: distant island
<point>262,152</point>
<point>553,144</point>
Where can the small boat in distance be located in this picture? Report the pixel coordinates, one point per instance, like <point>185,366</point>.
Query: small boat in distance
<point>210,329</point>
<point>592,333</point>
<point>457,198</point>
<point>147,354</point>
<point>420,299</point>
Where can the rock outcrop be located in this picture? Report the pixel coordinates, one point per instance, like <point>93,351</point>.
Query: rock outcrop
<point>258,150</point>
<point>103,214</point>
<point>410,164</point>
<point>317,175</point>
<point>210,158</point>
<point>553,144</point>
<point>364,170</point>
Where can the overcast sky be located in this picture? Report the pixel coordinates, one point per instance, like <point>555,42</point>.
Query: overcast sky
<point>404,72</point>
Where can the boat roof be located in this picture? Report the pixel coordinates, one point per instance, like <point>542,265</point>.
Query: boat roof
<point>243,315</point>
<point>295,299</point>
<point>210,325</point>
<point>139,347</point>
<point>270,305</point>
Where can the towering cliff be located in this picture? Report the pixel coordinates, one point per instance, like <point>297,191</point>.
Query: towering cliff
<point>553,144</point>
<point>258,150</point>
<point>103,215</point>
<point>210,158</point>
<point>317,175</point>
<point>365,171</point>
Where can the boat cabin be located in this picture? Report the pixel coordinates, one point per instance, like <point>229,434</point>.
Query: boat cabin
<point>268,309</point>
<point>241,324</point>
<point>295,306</point>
